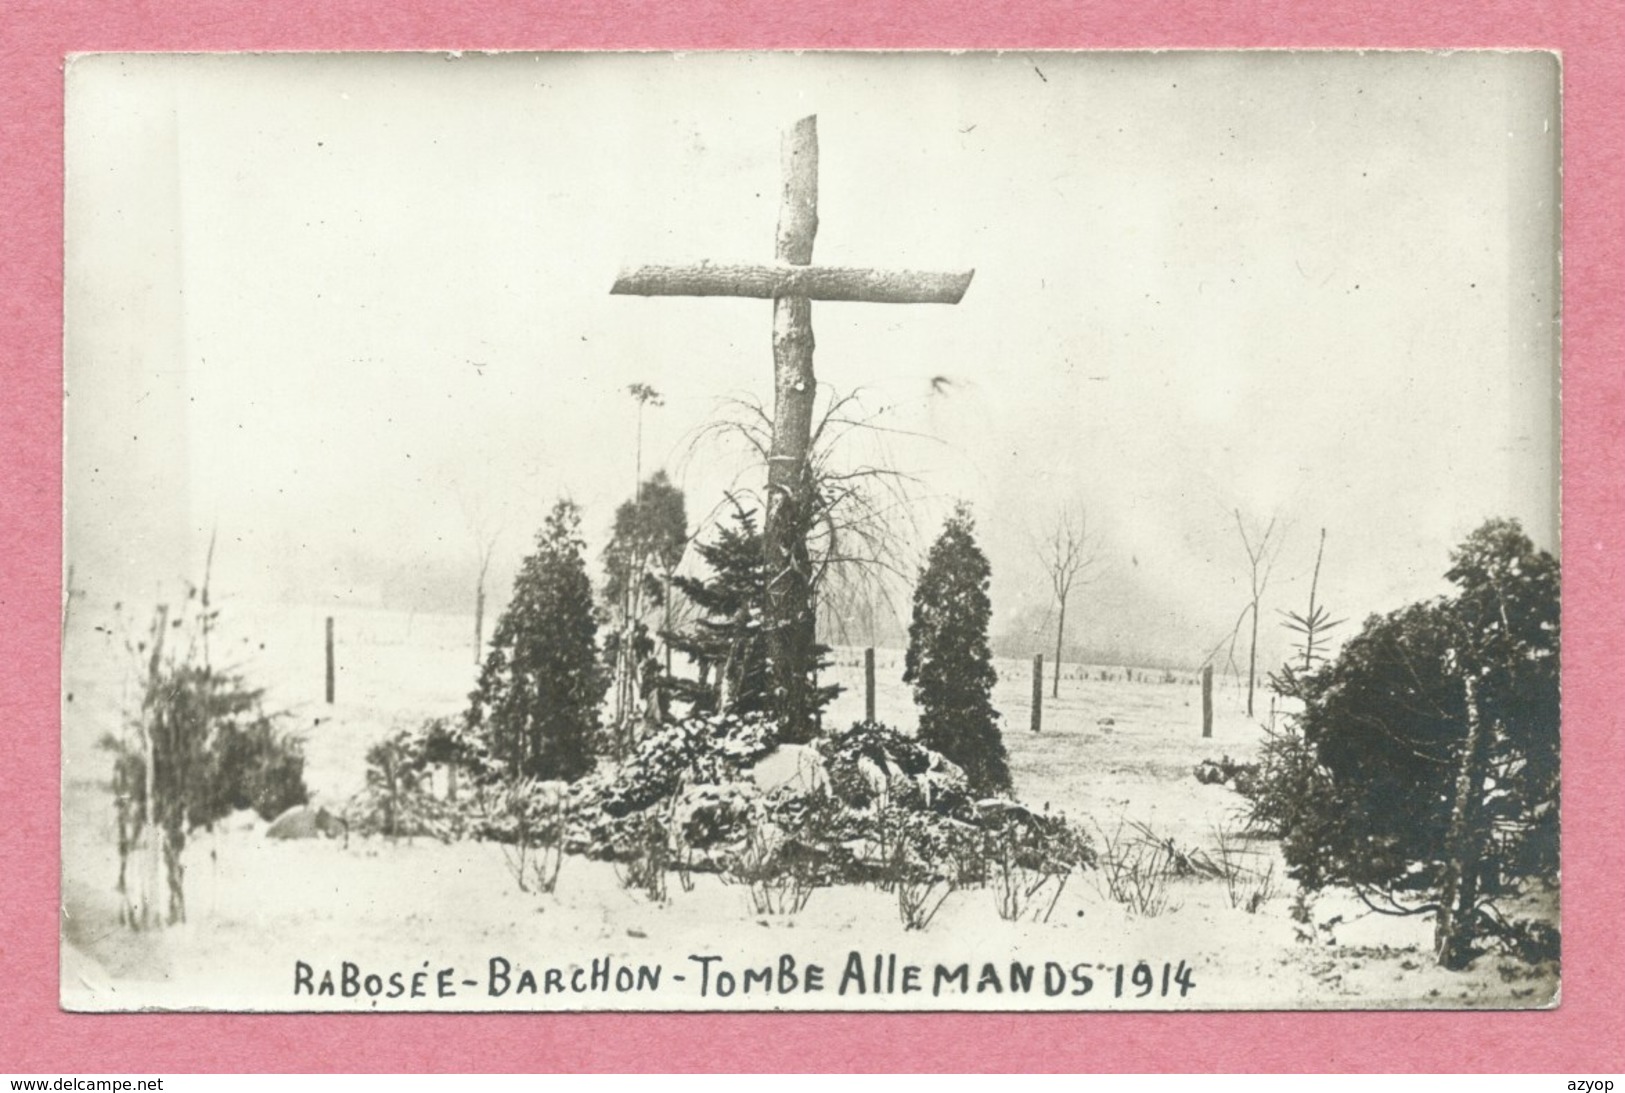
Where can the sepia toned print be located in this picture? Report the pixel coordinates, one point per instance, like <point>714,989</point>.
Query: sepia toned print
<point>521,554</point>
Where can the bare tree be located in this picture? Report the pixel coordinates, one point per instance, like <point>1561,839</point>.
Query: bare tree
<point>860,520</point>
<point>631,559</point>
<point>1069,554</point>
<point>484,547</point>
<point>647,542</point>
<point>1261,555</point>
<point>643,395</point>
<point>855,522</point>
<point>476,517</point>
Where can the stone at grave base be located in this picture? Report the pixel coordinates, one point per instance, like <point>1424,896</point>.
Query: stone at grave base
<point>797,767</point>
<point>304,822</point>
<point>943,775</point>
<point>991,807</point>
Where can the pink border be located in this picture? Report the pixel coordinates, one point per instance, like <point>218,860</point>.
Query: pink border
<point>1573,1039</point>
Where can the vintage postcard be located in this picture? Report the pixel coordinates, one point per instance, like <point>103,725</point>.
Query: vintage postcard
<point>847,531</point>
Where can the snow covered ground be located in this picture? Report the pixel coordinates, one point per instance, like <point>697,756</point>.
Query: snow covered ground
<point>444,926</point>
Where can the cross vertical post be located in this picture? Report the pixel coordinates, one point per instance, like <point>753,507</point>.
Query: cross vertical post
<point>791,624</point>
<point>792,282</point>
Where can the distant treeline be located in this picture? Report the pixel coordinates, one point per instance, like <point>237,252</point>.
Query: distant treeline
<point>1016,645</point>
<point>445,586</point>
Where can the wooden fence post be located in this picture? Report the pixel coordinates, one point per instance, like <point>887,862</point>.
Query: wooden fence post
<point>330,660</point>
<point>1207,700</point>
<point>1038,692</point>
<point>869,684</point>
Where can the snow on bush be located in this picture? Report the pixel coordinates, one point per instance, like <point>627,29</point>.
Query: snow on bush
<point>397,798</point>
<point>718,794</point>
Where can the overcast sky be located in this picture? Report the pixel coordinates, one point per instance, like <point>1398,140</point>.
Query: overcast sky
<point>348,310</point>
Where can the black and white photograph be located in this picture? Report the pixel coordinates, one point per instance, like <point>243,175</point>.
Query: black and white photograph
<point>889,531</point>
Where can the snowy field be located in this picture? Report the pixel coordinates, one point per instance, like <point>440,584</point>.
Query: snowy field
<point>1114,751</point>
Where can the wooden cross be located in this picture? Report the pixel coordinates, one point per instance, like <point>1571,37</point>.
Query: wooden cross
<point>792,283</point>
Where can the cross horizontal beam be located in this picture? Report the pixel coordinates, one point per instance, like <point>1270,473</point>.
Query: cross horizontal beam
<point>811,282</point>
